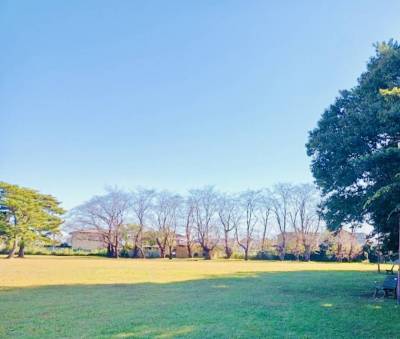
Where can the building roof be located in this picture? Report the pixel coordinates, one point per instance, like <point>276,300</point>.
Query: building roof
<point>91,231</point>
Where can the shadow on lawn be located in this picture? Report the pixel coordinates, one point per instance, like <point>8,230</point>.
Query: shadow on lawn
<point>302,303</point>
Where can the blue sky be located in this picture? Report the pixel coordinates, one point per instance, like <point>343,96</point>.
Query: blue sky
<point>173,94</point>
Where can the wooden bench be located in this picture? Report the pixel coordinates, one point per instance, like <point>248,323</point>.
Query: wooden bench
<point>389,286</point>
<point>393,263</point>
<point>390,271</point>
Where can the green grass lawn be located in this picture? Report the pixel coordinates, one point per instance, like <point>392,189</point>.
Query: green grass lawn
<point>51,297</point>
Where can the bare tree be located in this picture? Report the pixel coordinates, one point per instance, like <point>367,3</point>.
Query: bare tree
<point>294,242</point>
<point>305,218</point>
<point>176,202</point>
<point>245,231</point>
<point>107,214</point>
<point>229,216</point>
<point>281,206</point>
<point>188,216</point>
<point>205,212</point>
<point>142,200</point>
<point>165,209</point>
<point>344,245</point>
<point>265,207</point>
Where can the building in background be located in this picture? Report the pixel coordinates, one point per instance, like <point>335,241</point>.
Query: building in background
<point>93,240</point>
<point>87,240</point>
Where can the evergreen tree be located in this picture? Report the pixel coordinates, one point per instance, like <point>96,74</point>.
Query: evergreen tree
<point>27,216</point>
<point>355,153</point>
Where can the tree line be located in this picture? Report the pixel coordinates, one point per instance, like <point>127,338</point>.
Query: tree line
<point>214,221</point>
<point>227,223</point>
<point>204,216</point>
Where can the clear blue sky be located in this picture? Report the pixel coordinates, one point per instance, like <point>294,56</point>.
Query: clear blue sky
<point>173,94</point>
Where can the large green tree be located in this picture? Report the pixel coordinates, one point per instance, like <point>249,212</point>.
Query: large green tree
<point>355,153</point>
<point>27,216</point>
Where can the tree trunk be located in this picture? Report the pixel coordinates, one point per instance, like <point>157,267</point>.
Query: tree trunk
<point>282,253</point>
<point>138,252</point>
<point>398,270</point>
<point>161,248</point>
<point>339,253</point>
<point>379,262</point>
<point>282,248</point>
<point>109,251</point>
<point>13,249</point>
<point>307,255</point>
<point>282,256</point>
<point>263,239</point>
<point>207,253</point>
<point>170,253</point>
<point>246,254</point>
<point>188,240</point>
<point>307,252</point>
<point>189,250</point>
<point>116,246</point>
<point>137,244</point>
<point>228,250</point>
<point>351,244</point>
<point>21,251</point>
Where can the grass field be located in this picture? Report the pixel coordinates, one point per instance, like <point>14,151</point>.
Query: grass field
<point>80,297</point>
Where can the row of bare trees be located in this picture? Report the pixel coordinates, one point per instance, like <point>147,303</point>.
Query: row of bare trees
<point>205,217</point>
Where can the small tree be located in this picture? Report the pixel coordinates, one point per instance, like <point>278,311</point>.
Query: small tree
<point>265,207</point>
<point>141,203</point>
<point>27,216</point>
<point>187,214</point>
<point>306,220</point>
<point>107,214</point>
<point>165,209</point>
<point>229,217</point>
<point>205,213</point>
<point>281,200</point>
<point>245,232</point>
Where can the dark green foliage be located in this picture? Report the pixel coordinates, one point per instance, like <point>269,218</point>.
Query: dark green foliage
<point>27,216</point>
<point>354,149</point>
<point>323,253</point>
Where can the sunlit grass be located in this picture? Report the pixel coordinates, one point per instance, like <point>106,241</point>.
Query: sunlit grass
<point>74,297</point>
<point>47,270</point>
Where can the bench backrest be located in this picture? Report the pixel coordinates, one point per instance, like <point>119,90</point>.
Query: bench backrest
<point>390,283</point>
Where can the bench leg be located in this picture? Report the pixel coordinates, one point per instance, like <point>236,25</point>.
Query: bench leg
<point>377,292</point>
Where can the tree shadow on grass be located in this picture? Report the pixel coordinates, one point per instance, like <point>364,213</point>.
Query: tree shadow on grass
<point>278,304</point>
